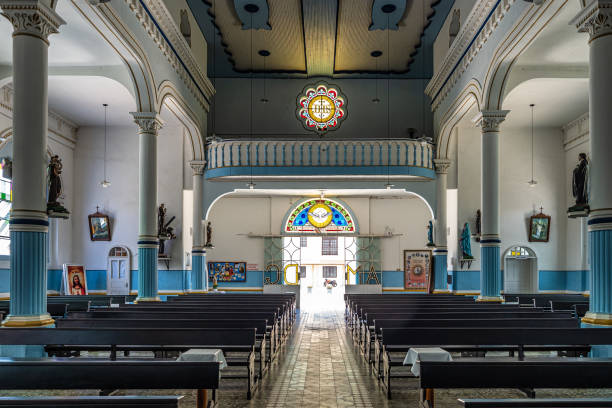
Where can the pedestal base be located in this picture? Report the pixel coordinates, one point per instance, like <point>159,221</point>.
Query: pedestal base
<point>599,319</point>
<point>147,299</point>
<point>498,299</point>
<point>41,320</point>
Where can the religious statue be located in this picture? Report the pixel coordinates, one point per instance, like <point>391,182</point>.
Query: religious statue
<point>209,234</point>
<point>465,243</point>
<point>185,27</point>
<point>478,225</point>
<point>580,184</point>
<point>54,183</point>
<point>430,242</point>
<point>7,168</point>
<point>164,231</point>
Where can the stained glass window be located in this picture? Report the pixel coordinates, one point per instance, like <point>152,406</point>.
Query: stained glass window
<point>320,216</point>
<point>321,108</point>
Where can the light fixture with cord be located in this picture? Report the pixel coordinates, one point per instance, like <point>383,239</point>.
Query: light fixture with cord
<point>532,182</point>
<point>105,183</point>
<point>376,54</point>
<point>388,186</point>
<point>264,54</point>
<point>250,184</point>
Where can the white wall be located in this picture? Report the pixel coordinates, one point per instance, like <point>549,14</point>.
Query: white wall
<point>234,217</point>
<point>120,200</point>
<point>518,200</point>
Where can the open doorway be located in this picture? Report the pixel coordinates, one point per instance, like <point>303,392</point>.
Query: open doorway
<point>322,265</point>
<point>520,270</point>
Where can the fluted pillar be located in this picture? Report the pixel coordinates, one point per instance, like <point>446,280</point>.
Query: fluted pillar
<point>441,251</point>
<point>490,242</point>
<point>199,281</point>
<point>33,22</point>
<point>595,19</point>
<point>149,124</point>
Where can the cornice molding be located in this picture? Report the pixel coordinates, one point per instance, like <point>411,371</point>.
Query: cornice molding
<point>166,34</point>
<point>466,46</point>
<point>576,132</point>
<point>31,17</point>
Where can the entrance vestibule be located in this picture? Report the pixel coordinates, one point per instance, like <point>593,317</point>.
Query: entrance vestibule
<point>520,270</point>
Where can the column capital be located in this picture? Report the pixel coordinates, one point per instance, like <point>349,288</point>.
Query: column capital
<point>595,18</point>
<point>198,167</point>
<point>442,165</point>
<point>489,121</point>
<point>31,17</point>
<point>148,122</point>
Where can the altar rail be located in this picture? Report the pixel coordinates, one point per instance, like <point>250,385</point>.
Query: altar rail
<point>367,157</point>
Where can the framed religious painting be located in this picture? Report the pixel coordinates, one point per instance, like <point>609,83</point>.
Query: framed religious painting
<point>227,271</point>
<point>539,228</point>
<point>74,280</point>
<point>99,226</point>
<point>417,270</point>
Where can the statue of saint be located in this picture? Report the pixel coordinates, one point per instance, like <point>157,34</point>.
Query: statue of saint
<point>7,168</point>
<point>208,234</point>
<point>478,225</point>
<point>465,243</point>
<point>430,241</point>
<point>54,180</point>
<point>580,183</point>
<point>161,219</point>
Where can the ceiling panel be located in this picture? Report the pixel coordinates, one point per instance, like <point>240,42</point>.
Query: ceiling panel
<point>285,40</point>
<point>355,41</point>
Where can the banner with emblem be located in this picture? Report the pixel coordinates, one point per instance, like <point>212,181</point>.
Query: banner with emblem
<point>417,270</point>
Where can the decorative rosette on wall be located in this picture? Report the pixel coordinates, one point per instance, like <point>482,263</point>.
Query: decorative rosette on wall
<point>321,107</point>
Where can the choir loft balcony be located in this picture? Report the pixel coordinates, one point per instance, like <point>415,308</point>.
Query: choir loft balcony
<point>410,160</point>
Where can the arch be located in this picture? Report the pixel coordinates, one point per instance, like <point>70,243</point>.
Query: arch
<point>107,23</point>
<point>518,262</point>
<point>341,220</point>
<point>471,95</point>
<point>172,100</point>
<point>524,32</point>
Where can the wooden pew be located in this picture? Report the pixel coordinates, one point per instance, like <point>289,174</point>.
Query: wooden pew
<point>379,325</point>
<point>537,403</point>
<point>64,342</point>
<point>72,374</point>
<point>561,373</point>
<point>92,402</point>
<point>266,354</point>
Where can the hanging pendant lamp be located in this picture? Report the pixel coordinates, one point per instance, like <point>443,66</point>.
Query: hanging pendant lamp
<point>105,183</point>
<point>250,184</point>
<point>388,186</point>
<point>532,182</point>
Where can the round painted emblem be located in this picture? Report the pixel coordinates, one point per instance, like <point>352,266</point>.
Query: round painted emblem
<point>321,108</point>
<point>320,215</point>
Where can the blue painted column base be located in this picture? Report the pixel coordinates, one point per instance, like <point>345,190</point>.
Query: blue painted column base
<point>147,274</point>
<point>600,300</point>
<point>28,304</point>
<point>490,275</point>
<point>440,271</point>
<point>198,271</point>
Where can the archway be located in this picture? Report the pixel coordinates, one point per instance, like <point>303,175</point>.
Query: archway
<point>520,270</point>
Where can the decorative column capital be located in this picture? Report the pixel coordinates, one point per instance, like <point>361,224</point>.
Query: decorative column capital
<point>31,17</point>
<point>442,165</point>
<point>148,122</point>
<point>198,167</point>
<point>489,121</point>
<point>595,18</point>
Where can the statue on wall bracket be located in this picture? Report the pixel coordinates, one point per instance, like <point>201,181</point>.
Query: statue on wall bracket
<point>55,209</point>
<point>580,188</point>
<point>430,241</point>
<point>164,231</point>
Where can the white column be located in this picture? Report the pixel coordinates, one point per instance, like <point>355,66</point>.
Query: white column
<point>199,280</point>
<point>596,20</point>
<point>441,250</point>
<point>33,21</point>
<point>490,242</point>
<point>149,124</point>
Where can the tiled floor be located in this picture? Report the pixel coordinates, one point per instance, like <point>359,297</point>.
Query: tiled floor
<point>319,367</point>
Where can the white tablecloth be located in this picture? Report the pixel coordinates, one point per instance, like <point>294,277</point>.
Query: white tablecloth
<point>204,355</point>
<point>416,355</point>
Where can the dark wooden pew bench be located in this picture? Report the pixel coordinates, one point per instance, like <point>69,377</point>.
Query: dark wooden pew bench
<point>91,402</point>
<point>529,375</point>
<point>537,403</point>
<point>81,374</point>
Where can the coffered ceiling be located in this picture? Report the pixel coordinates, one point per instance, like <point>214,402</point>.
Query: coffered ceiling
<point>330,38</point>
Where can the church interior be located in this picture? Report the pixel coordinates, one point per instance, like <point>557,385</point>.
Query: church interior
<point>315,203</point>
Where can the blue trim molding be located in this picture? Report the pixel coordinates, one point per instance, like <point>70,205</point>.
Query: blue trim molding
<point>440,270</point>
<point>198,272</point>
<point>601,267</point>
<point>491,276</point>
<point>321,171</point>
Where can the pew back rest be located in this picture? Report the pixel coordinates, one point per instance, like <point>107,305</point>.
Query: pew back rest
<point>441,323</point>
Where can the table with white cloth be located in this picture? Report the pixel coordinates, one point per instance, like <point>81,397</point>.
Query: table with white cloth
<point>417,354</point>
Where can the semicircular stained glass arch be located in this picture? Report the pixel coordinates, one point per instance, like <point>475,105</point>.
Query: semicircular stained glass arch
<point>320,216</point>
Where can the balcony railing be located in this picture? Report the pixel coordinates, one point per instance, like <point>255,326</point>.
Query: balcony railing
<point>399,158</point>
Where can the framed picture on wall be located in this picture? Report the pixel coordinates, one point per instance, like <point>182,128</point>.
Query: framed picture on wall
<point>417,270</point>
<point>227,271</point>
<point>539,228</point>
<point>99,226</point>
<point>74,280</point>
